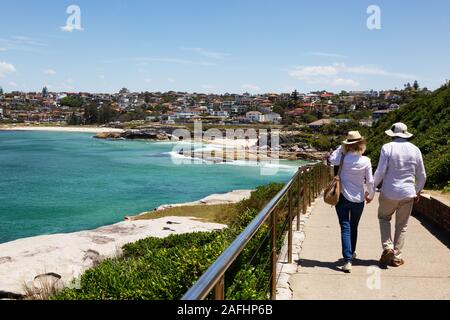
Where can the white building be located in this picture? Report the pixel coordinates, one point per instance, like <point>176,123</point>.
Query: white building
<point>271,117</point>
<point>253,116</point>
<point>223,114</point>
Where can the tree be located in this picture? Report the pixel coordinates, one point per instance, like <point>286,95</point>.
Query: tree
<point>74,120</point>
<point>1,91</point>
<point>294,95</point>
<point>44,91</point>
<point>416,85</point>
<point>71,101</point>
<point>91,114</point>
<point>106,114</point>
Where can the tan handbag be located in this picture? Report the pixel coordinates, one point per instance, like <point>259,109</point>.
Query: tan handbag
<point>333,190</point>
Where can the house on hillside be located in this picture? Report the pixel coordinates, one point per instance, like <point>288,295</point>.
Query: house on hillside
<point>253,116</point>
<point>297,112</point>
<point>377,115</point>
<point>271,117</point>
<point>319,123</point>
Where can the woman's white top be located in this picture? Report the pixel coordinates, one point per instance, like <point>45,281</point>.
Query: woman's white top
<point>356,172</point>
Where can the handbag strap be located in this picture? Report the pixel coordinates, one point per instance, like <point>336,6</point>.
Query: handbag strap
<point>341,163</point>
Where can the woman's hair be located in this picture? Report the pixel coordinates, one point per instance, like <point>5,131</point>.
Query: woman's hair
<point>359,147</point>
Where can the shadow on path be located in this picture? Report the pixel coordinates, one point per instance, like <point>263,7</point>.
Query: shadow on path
<point>441,235</point>
<point>306,263</point>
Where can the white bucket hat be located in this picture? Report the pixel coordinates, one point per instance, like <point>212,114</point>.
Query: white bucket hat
<point>399,130</point>
<point>353,137</point>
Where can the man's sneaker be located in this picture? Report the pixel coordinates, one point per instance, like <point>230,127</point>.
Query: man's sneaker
<point>386,257</point>
<point>397,262</point>
<point>347,267</point>
<point>354,255</point>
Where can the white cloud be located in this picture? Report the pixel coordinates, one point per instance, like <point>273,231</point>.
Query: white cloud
<point>178,61</point>
<point>207,53</point>
<point>326,54</point>
<point>70,28</point>
<point>348,83</point>
<point>50,72</point>
<point>6,68</point>
<point>20,43</point>
<point>208,86</point>
<point>250,87</point>
<point>337,74</point>
<point>306,73</point>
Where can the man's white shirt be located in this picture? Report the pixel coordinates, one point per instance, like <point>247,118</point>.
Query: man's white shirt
<point>401,170</point>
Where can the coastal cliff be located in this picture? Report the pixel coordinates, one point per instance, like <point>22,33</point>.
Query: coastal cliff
<point>29,264</point>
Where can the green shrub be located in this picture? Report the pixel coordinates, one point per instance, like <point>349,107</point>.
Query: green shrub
<point>164,269</point>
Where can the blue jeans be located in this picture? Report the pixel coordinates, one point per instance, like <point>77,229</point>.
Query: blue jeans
<point>349,214</point>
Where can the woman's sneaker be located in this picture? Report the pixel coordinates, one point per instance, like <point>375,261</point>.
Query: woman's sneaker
<point>347,267</point>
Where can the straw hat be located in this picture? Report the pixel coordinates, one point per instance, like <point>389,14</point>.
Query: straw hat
<point>353,137</point>
<point>399,130</point>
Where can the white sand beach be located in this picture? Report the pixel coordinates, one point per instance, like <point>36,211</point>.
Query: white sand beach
<point>69,255</point>
<point>60,129</point>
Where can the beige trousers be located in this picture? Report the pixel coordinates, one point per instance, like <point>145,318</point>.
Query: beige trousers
<point>402,209</point>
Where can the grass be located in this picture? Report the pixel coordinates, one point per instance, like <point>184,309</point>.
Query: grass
<point>220,213</point>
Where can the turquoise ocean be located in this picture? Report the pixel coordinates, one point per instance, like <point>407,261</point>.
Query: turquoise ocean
<point>56,182</point>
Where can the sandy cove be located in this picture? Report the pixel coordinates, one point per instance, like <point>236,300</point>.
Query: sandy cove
<point>61,129</point>
<point>69,255</point>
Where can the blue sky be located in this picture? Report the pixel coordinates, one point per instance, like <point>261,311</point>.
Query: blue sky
<point>223,46</point>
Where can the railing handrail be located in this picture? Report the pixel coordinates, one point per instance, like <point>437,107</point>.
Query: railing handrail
<point>215,272</point>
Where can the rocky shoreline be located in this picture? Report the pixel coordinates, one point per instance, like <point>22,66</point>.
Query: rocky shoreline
<point>29,263</point>
<point>136,134</point>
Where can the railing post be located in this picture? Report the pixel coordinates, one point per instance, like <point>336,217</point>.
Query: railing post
<point>273,280</point>
<point>304,200</point>
<point>290,211</point>
<point>299,180</point>
<point>219,289</point>
<point>309,187</point>
<point>319,177</point>
<point>314,183</point>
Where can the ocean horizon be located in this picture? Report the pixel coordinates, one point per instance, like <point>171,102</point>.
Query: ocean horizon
<point>59,182</point>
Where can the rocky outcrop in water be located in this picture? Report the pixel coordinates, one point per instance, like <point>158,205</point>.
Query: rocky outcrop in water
<point>136,134</point>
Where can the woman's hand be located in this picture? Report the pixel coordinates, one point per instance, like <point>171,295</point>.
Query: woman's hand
<point>366,197</point>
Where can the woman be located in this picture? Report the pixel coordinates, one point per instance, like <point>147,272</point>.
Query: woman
<point>356,171</point>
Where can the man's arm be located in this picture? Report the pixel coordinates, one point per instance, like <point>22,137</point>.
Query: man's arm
<point>369,183</point>
<point>421,176</point>
<point>335,157</point>
<point>382,167</point>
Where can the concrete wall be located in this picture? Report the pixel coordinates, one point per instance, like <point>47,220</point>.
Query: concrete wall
<point>434,211</point>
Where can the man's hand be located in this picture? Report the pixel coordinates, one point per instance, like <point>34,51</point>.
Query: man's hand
<point>417,198</point>
<point>366,197</point>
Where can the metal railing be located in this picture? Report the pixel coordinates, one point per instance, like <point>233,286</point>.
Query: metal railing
<point>300,191</point>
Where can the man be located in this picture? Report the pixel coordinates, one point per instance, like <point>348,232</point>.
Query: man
<point>403,174</point>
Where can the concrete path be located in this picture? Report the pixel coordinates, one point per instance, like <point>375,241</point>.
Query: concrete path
<point>425,275</point>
